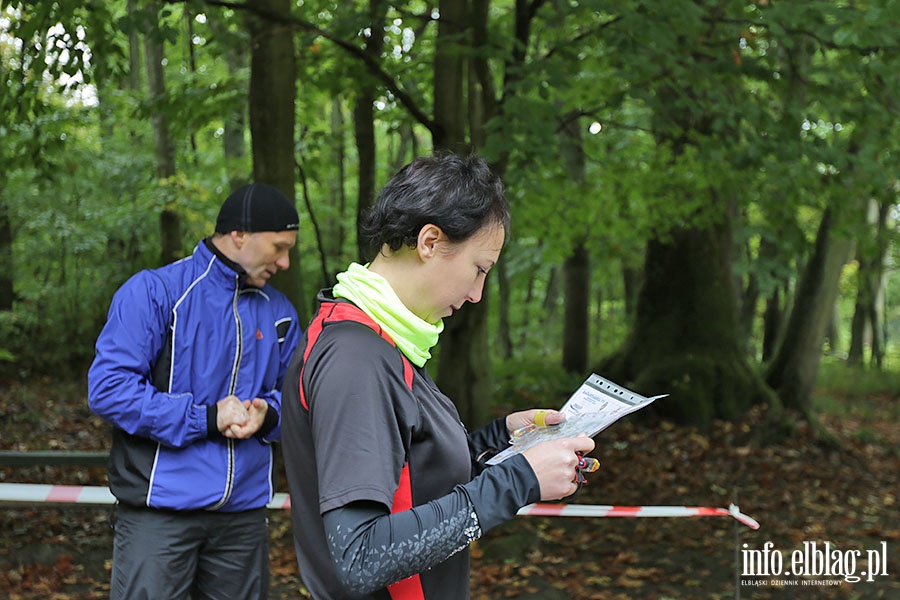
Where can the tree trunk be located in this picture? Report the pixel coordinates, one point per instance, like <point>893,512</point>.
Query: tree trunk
<point>335,224</point>
<point>794,369</point>
<point>684,341</point>
<point>576,324</point>
<point>125,243</point>
<point>273,93</point>
<point>832,339</point>
<point>107,78</point>
<point>365,147</point>
<point>749,300</point>
<point>598,317</point>
<point>169,219</point>
<point>234,122</point>
<point>868,315</point>
<point>859,324</point>
<point>685,338</point>
<point>576,267</point>
<point>550,302</point>
<point>631,284</point>
<point>449,97</point>
<point>773,316</point>
<point>134,50</point>
<point>504,327</point>
<point>464,363</point>
<point>194,159</point>
<point>364,128</point>
<point>767,254</point>
<point>6,260</point>
<point>407,148</point>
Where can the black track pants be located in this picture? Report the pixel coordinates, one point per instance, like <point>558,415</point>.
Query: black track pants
<point>198,554</point>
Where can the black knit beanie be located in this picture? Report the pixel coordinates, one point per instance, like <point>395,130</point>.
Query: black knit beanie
<point>257,207</point>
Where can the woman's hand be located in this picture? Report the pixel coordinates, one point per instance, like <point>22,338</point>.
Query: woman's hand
<point>554,463</point>
<point>539,416</point>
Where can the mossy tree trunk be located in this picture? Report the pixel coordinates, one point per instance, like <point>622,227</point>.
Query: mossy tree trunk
<point>685,341</point>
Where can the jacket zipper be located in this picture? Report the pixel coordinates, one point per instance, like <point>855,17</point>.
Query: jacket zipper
<point>229,480</point>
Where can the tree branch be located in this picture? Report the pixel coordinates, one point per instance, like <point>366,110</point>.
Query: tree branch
<point>818,39</point>
<point>583,35</point>
<point>295,22</point>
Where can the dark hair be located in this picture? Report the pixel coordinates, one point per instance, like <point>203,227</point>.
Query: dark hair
<point>458,194</point>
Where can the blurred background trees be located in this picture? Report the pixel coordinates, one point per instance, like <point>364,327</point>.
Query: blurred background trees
<point>704,192</point>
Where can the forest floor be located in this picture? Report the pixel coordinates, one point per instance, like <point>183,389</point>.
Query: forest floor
<point>805,493</point>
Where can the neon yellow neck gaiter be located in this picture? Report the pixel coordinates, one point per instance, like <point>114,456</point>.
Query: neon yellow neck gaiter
<point>374,295</point>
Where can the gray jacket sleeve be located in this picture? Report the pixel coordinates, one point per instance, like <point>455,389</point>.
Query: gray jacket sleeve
<point>373,548</point>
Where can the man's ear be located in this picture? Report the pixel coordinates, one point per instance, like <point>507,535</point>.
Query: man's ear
<point>426,243</point>
<point>237,238</point>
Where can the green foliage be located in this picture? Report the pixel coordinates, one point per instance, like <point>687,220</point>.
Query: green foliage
<point>763,113</point>
<point>532,381</point>
<point>78,235</point>
<point>67,239</point>
<point>839,378</point>
<point>865,398</point>
<point>81,186</point>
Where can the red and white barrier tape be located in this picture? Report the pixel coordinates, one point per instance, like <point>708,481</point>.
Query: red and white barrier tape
<point>595,510</point>
<point>77,494</point>
<point>32,493</point>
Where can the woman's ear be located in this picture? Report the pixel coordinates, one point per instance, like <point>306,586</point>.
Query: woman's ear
<point>429,237</point>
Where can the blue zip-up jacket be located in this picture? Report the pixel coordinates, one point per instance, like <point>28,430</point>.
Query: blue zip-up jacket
<point>177,340</point>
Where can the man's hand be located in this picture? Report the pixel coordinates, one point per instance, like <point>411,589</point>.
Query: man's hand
<point>256,414</point>
<point>230,411</point>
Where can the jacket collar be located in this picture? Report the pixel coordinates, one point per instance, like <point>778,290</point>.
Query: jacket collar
<point>227,263</point>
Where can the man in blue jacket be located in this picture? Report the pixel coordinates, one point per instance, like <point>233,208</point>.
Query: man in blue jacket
<point>188,371</point>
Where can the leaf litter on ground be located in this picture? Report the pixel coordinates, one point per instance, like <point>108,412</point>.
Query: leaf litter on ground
<point>800,490</point>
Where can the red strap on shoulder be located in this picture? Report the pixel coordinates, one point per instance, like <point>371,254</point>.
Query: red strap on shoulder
<point>331,312</point>
<point>312,334</point>
<point>344,311</point>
